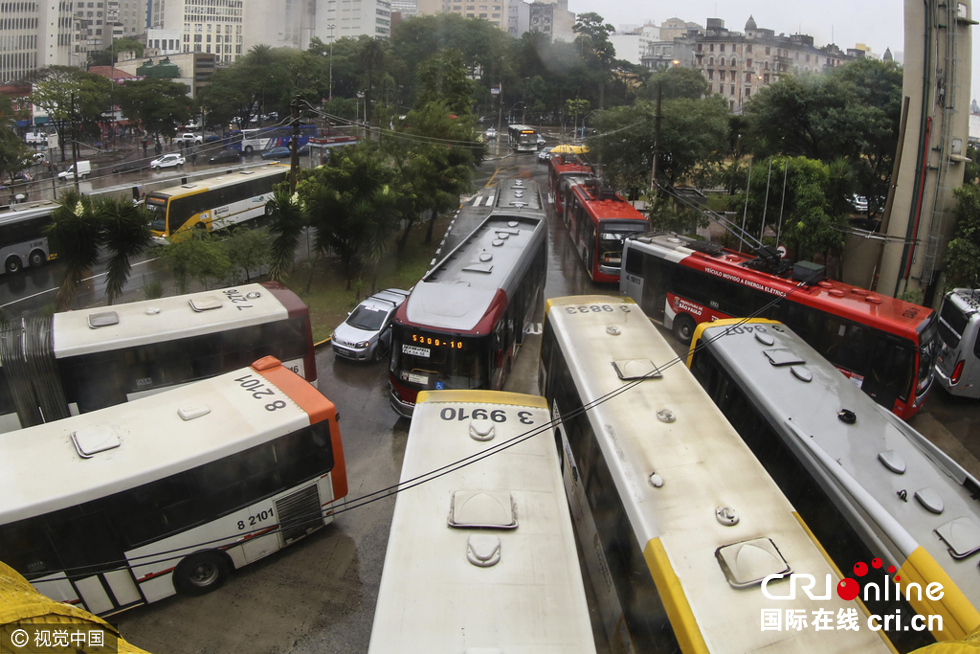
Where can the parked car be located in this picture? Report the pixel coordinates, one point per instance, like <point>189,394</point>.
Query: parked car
<point>283,152</point>
<point>860,203</point>
<point>21,177</point>
<point>188,138</point>
<point>491,133</point>
<point>167,161</point>
<point>84,170</point>
<point>226,156</point>
<point>366,334</point>
<point>212,138</point>
<point>35,159</point>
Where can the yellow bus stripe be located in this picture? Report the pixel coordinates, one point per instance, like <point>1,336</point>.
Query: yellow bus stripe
<point>960,617</point>
<point>823,552</point>
<point>483,397</point>
<point>675,602</point>
<point>699,330</point>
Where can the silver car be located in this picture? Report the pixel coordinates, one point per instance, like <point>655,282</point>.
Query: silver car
<point>366,334</point>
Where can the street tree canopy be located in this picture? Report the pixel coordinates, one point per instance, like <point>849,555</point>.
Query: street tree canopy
<point>160,105</point>
<point>60,89</point>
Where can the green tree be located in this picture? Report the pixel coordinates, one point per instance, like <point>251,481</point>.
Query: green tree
<point>597,50</point>
<point>110,55</point>
<point>810,225</point>
<point>125,233</point>
<point>963,252</point>
<point>158,104</point>
<point>344,197</point>
<point>289,217</point>
<point>372,60</point>
<point>202,257</point>
<point>13,152</point>
<point>248,249</point>
<point>76,237</point>
<point>673,83</point>
<point>74,101</point>
<point>442,78</point>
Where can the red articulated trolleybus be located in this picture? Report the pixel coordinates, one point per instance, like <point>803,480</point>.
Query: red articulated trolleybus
<point>563,166</point>
<point>884,345</point>
<point>465,320</point>
<point>599,221</point>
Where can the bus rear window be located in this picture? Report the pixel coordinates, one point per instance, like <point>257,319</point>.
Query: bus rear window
<point>955,323</point>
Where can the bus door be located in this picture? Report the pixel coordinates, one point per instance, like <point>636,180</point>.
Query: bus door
<point>96,564</point>
<point>889,372</point>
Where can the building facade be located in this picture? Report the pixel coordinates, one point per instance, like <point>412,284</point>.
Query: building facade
<point>738,64</point>
<point>287,24</point>
<point>34,34</point>
<point>633,45</point>
<point>193,69</point>
<point>665,54</point>
<point>553,19</point>
<point>353,18</point>
<point>206,26</point>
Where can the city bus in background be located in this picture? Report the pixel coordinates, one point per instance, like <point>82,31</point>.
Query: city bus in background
<point>523,138</point>
<point>260,139</point>
<point>23,241</point>
<point>886,346</point>
<point>132,504</point>
<point>80,361</point>
<point>464,322</point>
<point>599,221</point>
<point>214,203</point>
<point>507,543</point>
<point>958,362</point>
<point>679,523</point>
<point>867,484</point>
<point>561,166</point>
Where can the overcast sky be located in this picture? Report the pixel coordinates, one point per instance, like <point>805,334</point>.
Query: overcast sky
<point>878,23</point>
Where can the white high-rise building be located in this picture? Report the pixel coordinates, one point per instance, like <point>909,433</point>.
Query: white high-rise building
<point>34,34</point>
<point>281,24</point>
<point>208,26</point>
<point>353,18</point>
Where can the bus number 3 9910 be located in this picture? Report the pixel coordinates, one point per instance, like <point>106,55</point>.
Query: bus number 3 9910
<point>497,415</point>
<point>259,390</point>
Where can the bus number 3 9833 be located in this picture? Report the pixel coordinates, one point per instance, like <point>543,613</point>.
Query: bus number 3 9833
<point>497,415</point>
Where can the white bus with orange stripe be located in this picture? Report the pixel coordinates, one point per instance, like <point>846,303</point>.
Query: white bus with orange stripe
<point>168,494</point>
<point>682,530</point>
<point>481,558</point>
<point>868,484</point>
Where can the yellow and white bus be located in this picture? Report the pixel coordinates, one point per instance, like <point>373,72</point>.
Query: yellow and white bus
<point>214,203</point>
<point>481,558</point>
<point>168,494</point>
<point>689,544</point>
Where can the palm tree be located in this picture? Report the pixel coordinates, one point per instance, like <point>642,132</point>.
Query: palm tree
<point>126,234</point>
<point>76,236</point>
<point>289,217</point>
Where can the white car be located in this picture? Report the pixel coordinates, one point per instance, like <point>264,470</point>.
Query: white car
<point>189,139</point>
<point>167,161</point>
<point>491,134</point>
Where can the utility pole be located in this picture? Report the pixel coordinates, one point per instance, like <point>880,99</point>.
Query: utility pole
<point>330,88</point>
<point>500,109</point>
<point>74,143</point>
<point>294,160</point>
<point>656,144</point>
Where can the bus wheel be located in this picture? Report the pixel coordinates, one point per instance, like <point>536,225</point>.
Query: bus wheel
<point>200,573</point>
<point>37,258</point>
<point>684,329</point>
<point>12,265</point>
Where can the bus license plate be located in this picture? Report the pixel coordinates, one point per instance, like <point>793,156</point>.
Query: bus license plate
<point>415,351</point>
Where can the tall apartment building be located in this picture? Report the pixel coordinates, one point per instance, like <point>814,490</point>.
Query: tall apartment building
<point>737,64</point>
<point>206,26</point>
<point>405,7</point>
<point>34,34</point>
<point>495,11</point>
<point>632,45</point>
<point>96,22</point>
<point>353,18</point>
<point>287,24</point>
<point>553,19</point>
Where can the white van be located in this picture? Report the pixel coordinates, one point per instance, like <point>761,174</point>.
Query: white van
<point>84,170</point>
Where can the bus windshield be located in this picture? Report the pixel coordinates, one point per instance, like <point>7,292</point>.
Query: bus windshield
<point>158,209</point>
<point>427,360</point>
<point>612,236</point>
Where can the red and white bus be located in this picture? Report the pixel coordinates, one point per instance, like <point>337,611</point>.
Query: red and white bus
<point>599,221</point>
<point>886,346</point>
<point>80,361</point>
<point>132,504</point>
<point>464,322</point>
<point>560,167</point>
